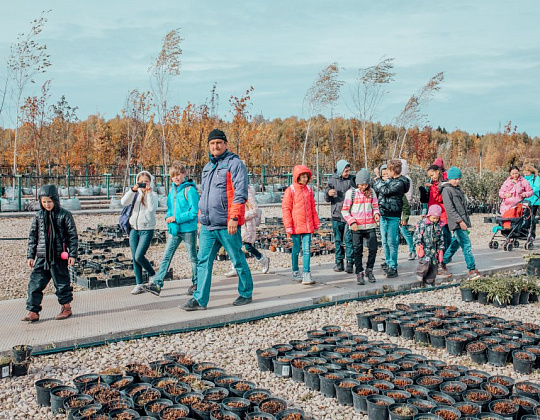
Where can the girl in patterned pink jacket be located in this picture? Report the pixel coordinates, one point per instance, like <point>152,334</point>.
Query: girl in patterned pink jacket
<point>361,212</point>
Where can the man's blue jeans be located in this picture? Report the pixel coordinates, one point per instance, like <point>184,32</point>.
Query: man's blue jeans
<point>408,236</point>
<point>390,239</point>
<point>343,237</point>
<point>190,240</point>
<point>209,243</point>
<point>139,242</point>
<point>460,239</point>
<point>301,241</point>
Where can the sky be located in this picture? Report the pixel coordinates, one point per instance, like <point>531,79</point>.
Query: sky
<point>100,50</point>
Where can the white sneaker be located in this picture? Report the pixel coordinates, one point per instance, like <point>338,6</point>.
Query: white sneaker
<point>151,280</point>
<point>265,264</point>
<point>296,276</point>
<point>231,273</point>
<point>137,290</point>
<point>306,279</point>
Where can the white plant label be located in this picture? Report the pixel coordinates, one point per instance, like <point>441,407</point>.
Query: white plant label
<point>285,370</point>
<point>5,371</point>
<point>380,327</point>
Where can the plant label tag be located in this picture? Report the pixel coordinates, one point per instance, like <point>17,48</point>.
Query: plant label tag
<point>285,370</point>
<point>5,371</point>
<point>380,327</point>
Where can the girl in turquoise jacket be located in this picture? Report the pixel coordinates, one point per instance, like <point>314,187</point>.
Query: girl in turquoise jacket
<point>181,218</point>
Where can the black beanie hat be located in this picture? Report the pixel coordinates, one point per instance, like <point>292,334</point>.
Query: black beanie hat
<point>217,134</point>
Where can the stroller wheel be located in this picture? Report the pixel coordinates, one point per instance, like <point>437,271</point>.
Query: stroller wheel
<point>495,245</point>
<point>529,245</point>
<point>490,244</point>
<point>509,247</point>
<point>516,244</point>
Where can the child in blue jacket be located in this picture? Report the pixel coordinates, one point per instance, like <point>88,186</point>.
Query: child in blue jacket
<point>181,218</point>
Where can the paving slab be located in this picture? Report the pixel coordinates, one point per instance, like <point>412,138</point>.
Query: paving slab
<point>111,314</point>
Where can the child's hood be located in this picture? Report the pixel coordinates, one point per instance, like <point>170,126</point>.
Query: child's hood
<point>299,170</point>
<point>149,175</point>
<point>52,192</point>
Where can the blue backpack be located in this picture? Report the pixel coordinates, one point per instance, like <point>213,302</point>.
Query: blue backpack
<point>123,220</point>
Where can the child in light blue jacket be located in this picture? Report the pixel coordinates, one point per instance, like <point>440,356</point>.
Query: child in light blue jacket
<point>181,218</point>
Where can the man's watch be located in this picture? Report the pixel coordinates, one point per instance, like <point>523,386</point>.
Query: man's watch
<point>235,219</point>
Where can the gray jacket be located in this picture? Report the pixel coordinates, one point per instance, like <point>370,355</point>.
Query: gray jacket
<point>455,205</point>
<point>341,185</point>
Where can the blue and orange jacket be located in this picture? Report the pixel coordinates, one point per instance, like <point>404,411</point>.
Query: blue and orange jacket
<point>224,191</point>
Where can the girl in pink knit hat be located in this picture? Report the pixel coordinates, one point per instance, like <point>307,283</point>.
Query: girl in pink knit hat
<point>429,244</point>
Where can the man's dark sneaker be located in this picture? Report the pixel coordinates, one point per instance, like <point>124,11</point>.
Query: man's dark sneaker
<point>360,279</point>
<point>192,289</point>
<point>350,267</point>
<point>152,288</point>
<point>338,268</point>
<point>391,273</point>
<point>384,266</point>
<point>371,278</point>
<point>193,305</point>
<point>242,301</point>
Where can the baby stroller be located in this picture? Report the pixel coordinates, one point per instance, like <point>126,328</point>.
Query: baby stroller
<point>516,223</point>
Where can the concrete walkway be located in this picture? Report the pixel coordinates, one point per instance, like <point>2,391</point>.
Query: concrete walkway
<point>109,314</point>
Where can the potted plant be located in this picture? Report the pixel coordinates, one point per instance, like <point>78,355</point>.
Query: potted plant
<point>466,288</point>
<point>21,352</point>
<point>499,293</point>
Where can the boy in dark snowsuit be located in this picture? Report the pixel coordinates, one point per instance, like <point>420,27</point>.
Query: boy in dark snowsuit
<point>52,234</point>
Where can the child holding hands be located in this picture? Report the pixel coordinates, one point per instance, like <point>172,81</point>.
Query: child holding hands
<point>429,243</point>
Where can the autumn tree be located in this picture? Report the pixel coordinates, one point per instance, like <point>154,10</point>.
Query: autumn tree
<point>163,69</point>
<point>28,58</point>
<point>323,93</point>
<point>412,114</point>
<point>241,117</point>
<point>63,118</point>
<point>367,93</point>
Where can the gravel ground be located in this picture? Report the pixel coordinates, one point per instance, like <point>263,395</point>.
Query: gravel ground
<point>233,348</point>
<point>14,273</point>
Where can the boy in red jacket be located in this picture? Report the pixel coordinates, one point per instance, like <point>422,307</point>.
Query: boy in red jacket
<point>301,220</point>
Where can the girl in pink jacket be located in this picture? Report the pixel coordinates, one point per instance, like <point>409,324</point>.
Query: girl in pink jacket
<point>514,189</point>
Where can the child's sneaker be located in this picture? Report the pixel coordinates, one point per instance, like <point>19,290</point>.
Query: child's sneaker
<point>296,276</point>
<point>152,288</point>
<point>231,273</point>
<point>137,290</point>
<point>474,274</point>
<point>360,279</point>
<point>306,279</point>
<point>265,264</point>
<point>370,276</point>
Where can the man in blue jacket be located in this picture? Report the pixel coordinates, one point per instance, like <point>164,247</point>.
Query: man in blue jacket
<point>224,191</point>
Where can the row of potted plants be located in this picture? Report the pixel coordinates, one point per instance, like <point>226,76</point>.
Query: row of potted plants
<point>485,339</point>
<point>386,381</point>
<point>19,362</point>
<point>174,388</point>
<point>501,290</point>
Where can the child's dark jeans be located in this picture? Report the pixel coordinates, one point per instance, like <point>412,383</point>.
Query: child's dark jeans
<point>39,279</point>
<point>358,245</point>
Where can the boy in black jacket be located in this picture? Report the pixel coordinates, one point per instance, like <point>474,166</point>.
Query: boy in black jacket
<point>390,193</point>
<point>52,235</point>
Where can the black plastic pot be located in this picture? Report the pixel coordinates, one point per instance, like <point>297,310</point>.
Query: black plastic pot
<point>441,398</point>
<point>467,409</point>
<point>277,401</point>
<point>177,409</point>
<point>394,411</point>
<point>82,400</point>
<point>430,382</point>
<point>437,341</point>
<point>298,373</point>
<point>359,395</point>
<point>265,358</point>
<point>421,336</point>
<point>57,402</point>
<point>260,416</point>
<point>524,298</point>
<point>110,378</point>
<point>85,412</point>
<point>239,411</point>
<point>289,411</point>
<point>526,404</point>
<point>283,348</point>
<point>489,416</point>
<point>378,323</point>
<point>528,389</point>
<point>455,344</point>
<point>477,356</point>
<point>523,361</point>
<point>344,390</point>
<point>422,405</point>
<point>43,391</point>
<point>467,295</point>
<point>83,381</point>
<point>497,358</point>
<point>505,381</point>
<point>378,411</point>
<point>21,353</point>
<point>469,396</point>
<point>497,391</point>
<point>114,413</point>
<point>514,300</point>
<point>454,389</point>
<point>327,384</point>
<point>447,408</point>
<point>407,330</point>
<point>426,416</point>
<point>392,328</point>
<point>311,376</point>
<point>282,366</point>
<point>364,320</point>
<point>512,408</point>
<point>482,298</point>
<point>472,382</point>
